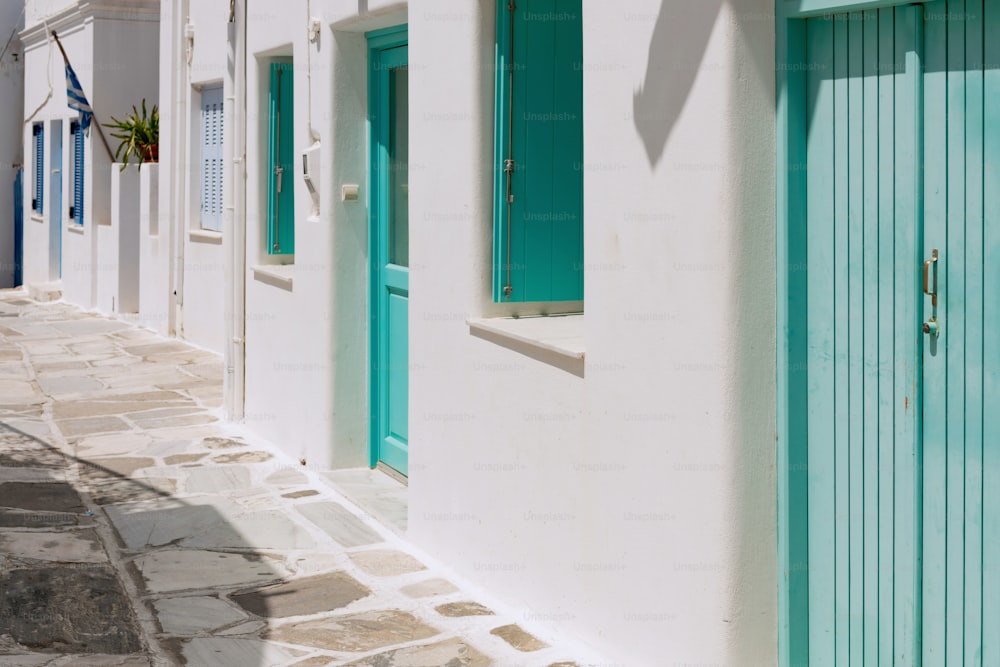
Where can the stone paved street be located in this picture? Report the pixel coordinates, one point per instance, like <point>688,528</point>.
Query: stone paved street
<point>137,528</point>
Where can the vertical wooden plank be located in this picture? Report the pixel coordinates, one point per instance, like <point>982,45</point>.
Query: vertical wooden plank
<point>870,333</point>
<point>539,102</point>
<point>908,79</point>
<point>934,363</point>
<point>842,415</point>
<point>793,372</point>
<point>973,319</point>
<point>886,308</point>
<point>821,334</point>
<point>953,301</point>
<point>855,331</point>
<point>520,98</point>
<point>991,346</point>
<point>566,249</point>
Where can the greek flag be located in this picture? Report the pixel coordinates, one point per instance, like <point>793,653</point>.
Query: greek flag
<point>77,100</point>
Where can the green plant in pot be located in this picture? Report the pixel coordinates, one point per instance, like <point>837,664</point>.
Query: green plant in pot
<point>139,133</point>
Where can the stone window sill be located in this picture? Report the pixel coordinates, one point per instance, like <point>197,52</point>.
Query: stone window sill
<point>76,229</point>
<point>553,339</point>
<point>276,275</point>
<point>204,236</point>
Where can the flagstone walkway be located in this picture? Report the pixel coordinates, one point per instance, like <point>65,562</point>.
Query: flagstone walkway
<point>137,528</point>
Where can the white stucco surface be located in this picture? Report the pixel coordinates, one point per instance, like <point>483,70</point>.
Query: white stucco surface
<point>11,112</point>
<point>617,486</point>
<point>115,56</point>
<point>633,506</point>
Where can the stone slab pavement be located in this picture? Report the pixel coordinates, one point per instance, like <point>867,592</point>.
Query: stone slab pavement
<point>138,528</point>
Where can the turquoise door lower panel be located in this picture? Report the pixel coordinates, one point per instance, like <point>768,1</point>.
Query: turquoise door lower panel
<point>389,247</point>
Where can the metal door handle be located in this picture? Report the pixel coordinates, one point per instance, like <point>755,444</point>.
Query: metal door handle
<point>278,171</point>
<point>927,270</point>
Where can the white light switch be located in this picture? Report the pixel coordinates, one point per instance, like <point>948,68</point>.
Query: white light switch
<point>349,192</point>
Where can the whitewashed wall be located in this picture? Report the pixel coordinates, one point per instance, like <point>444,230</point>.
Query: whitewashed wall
<point>11,112</point>
<point>115,56</point>
<point>633,507</point>
<point>307,346</point>
<point>203,272</point>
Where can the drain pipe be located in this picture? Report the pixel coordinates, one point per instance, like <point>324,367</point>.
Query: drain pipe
<point>234,213</point>
<point>178,178</point>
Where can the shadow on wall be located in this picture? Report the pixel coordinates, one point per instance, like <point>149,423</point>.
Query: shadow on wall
<point>680,38</point>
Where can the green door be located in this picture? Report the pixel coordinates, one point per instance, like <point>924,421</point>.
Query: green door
<point>899,399</point>
<point>390,246</point>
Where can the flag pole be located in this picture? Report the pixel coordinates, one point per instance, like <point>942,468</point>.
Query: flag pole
<point>111,156</point>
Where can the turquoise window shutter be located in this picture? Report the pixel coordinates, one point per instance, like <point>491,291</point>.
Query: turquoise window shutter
<point>211,158</point>
<point>538,213</point>
<point>39,133</point>
<point>76,210</point>
<point>280,168</point>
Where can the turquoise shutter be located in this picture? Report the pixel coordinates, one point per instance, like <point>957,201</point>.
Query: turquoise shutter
<point>280,169</point>
<point>39,134</point>
<point>538,244</point>
<point>76,210</point>
<point>211,158</point>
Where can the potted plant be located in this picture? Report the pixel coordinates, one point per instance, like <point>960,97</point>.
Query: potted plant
<point>139,134</point>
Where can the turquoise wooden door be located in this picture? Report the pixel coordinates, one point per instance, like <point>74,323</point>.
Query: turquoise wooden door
<point>902,427</point>
<point>390,247</point>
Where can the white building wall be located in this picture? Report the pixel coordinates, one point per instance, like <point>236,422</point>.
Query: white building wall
<point>634,506</point>
<point>115,56</point>
<point>306,346</point>
<point>204,252</point>
<point>11,112</point>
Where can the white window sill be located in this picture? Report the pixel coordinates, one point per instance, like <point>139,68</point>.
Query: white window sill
<point>75,228</point>
<point>205,236</point>
<point>555,339</point>
<point>277,275</point>
<point>37,217</point>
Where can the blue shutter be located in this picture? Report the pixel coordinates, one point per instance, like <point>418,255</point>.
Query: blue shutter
<point>538,242</point>
<point>280,190</point>
<point>76,210</point>
<point>211,158</point>
<point>39,134</point>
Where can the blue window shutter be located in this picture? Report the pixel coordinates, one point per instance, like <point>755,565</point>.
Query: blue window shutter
<point>211,158</point>
<point>76,212</point>
<point>39,133</point>
<point>538,245</point>
<point>280,151</point>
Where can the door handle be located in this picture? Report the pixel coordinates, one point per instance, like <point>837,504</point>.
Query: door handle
<point>931,326</point>
<point>927,271</point>
<point>278,171</point>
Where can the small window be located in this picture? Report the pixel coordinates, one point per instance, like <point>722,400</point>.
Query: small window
<point>280,168</point>
<point>538,201</point>
<point>76,182</point>
<point>38,132</point>
<point>211,158</point>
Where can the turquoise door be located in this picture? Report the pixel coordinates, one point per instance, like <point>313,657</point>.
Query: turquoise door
<point>389,247</point>
<point>897,400</point>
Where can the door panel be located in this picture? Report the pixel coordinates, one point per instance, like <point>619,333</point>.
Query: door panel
<point>390,252</point>
<point>862,340</point>
<point>903,428</point>
<point>957,439</point>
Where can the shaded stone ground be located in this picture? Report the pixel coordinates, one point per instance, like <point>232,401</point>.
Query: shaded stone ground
<point>138,529</point>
